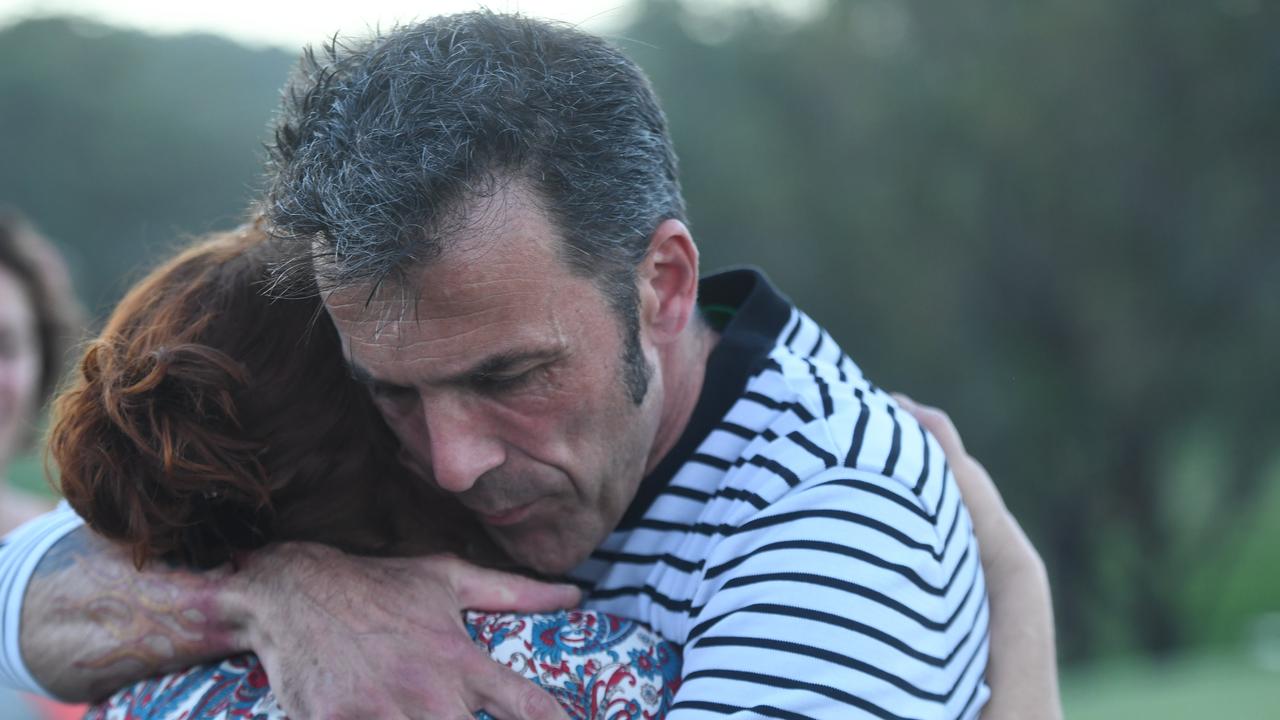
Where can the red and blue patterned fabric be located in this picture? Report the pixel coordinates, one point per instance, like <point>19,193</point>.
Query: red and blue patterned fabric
<point>598,666</point>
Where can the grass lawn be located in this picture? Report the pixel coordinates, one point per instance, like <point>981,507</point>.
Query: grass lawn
<point>1217,687</point>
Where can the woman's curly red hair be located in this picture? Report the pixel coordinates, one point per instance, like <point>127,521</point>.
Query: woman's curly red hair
<point>209,418</point>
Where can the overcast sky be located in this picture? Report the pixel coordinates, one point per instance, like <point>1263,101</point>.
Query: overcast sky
<point>292,24</point>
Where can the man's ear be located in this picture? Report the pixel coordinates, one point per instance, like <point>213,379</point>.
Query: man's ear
<point>668,280</point>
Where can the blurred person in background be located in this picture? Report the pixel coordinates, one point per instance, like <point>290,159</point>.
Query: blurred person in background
<point>39,319</point>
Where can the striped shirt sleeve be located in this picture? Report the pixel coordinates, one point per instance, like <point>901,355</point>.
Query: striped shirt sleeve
<point>20,552</point>
<point>843,600</point>
<point>808,545</point>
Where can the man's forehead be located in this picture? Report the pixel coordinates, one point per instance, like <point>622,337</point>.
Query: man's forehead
<point>416,361</point>
<point>409,336</point>
<point>501,286</point>
<point>484,229</point>
<point>458,292</point>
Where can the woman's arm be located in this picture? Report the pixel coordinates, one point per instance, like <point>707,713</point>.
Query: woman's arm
<point>91,623</point>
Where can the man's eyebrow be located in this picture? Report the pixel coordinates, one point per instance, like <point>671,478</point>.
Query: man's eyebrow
<point>493,365</point>
<point>504,361</point>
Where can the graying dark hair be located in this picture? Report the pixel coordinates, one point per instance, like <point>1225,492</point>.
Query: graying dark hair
<point>383,145</point>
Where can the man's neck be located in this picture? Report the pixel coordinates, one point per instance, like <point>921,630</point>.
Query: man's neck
<point>682,387</point>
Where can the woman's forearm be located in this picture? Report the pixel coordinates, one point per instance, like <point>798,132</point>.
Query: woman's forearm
<point>92,622</point>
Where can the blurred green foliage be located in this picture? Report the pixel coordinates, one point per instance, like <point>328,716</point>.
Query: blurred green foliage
<point>1183,688</point>
<point>1058,220</point>
<point>116,142</point>
<point>27,473</point>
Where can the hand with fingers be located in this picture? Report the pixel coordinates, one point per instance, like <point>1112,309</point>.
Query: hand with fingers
<point>344,636</point>
<point>1022,671</point>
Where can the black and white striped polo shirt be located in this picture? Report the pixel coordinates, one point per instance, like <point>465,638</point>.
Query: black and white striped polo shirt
<point>804,541</point>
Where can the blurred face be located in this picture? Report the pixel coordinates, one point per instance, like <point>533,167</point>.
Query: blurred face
<point>19,365</point>
<point>502,373</point>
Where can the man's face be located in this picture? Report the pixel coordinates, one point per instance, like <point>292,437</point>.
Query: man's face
<point>502,374</point>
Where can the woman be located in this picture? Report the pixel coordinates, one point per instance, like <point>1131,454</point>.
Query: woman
<point>38,319</point>
<point>212,417</point>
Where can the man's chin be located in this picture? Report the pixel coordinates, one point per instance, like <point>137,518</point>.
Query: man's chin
<point>543,555</point>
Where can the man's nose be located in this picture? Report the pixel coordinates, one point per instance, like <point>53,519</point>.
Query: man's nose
<point>463,445</point>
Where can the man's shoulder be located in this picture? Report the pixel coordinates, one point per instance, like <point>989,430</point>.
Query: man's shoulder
<point>807,412</point>
<point>809,542</point>
<point>825,536</point>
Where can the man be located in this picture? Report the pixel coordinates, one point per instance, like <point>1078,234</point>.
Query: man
<point>492,207</point>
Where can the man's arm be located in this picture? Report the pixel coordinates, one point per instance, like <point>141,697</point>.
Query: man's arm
<point>340,636</point>
<point>1023,670</point>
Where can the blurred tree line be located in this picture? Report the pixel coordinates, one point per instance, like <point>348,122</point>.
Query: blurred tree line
<point>1059,220</point>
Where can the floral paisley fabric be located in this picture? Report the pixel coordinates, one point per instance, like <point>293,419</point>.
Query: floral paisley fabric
<point>598,666</point>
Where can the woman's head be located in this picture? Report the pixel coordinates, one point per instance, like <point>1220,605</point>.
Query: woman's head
<point>38,318</point>
<point>210,418</point>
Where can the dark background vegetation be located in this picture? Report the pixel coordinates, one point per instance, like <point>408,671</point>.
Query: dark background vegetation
<point>1059,220</point>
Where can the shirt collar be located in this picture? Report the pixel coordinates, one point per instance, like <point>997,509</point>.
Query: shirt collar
<point>757,313</point>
